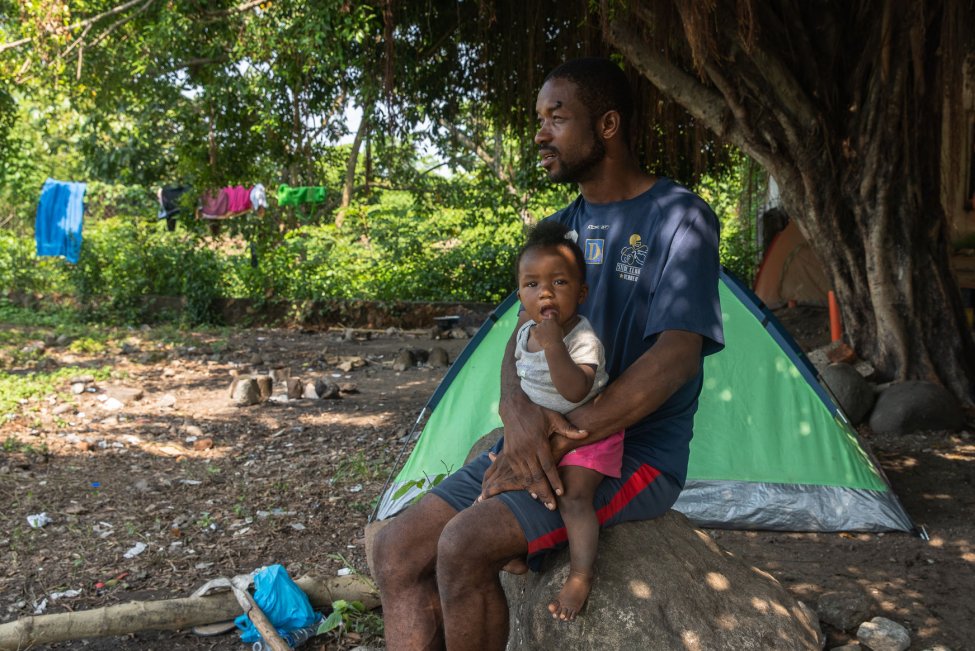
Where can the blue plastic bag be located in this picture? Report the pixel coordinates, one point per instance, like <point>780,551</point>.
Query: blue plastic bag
<point>281,600</point>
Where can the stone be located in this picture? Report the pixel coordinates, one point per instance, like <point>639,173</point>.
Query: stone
<point>855,395</point>
<point>202,444</point>
<point>439,358</point>
<point>937,647</point>
<point>280,374</point>
<point>295,388</point>
<point>192,430</point>
<point>167,400</point>
<point>660,584</point>
<point>63,408</point>
<point>246,392</point>
<point>78,388</point>
<point>345,366</point>
<point>404,360</point>
<point>82,379</point>
<point>843,610</point>
<point>326,389</point>
<point>457,333</point>
<point>882,634</point>
<point>905,407</point>
<point>348,387</point>
<point>265,386</point>
<point>310,391</point>
<point>125,395</point>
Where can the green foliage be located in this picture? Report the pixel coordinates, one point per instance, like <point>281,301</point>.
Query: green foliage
<point>735,195</point>
<point>351,616</point>
<point>424,485</point>
<point>123,260</point>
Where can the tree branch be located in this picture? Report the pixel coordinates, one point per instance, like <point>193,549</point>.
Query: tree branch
<point>700,101</point>
<point>239,9</point>
<point>80,23</point>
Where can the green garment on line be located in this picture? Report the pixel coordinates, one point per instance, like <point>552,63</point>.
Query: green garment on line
<point>289,196</point>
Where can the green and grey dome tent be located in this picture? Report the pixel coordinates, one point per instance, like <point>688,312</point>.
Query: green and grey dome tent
<point>771,448</point>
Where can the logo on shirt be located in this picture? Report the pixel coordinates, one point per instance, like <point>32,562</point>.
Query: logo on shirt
<point>632,258</point>
<point>597,227</point>
<point>594,251</point>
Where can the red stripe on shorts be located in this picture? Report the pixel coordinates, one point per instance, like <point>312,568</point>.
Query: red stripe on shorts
<point>637,482</point>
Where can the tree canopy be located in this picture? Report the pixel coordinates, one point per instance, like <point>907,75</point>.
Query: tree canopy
<point>843,103</point>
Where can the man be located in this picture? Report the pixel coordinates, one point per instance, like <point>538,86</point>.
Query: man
<point>652,268</point>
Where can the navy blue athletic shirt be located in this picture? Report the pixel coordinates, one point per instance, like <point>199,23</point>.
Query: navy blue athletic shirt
<point>652,265</point>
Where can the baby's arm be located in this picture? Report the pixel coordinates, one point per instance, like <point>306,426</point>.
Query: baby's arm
<point>573,381</point>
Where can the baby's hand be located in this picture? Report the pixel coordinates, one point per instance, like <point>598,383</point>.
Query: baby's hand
<point>548,333</point>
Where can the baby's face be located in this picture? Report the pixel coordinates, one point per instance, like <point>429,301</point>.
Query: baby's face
<point>549,285</point>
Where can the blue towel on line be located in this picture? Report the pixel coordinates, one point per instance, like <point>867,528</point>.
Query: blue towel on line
<point>60,213</point>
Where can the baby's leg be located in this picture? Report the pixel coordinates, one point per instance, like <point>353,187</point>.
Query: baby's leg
<point>582,527</point>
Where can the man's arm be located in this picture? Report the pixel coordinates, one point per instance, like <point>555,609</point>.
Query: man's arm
<point>674,359</point>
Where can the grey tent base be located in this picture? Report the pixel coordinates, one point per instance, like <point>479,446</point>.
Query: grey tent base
<point>790,507</point>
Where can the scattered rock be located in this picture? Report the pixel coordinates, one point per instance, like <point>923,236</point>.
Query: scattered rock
<point>843,610</point>
<point>265,385</point>
<point>457,333</point>
<point>82,379</point>
<point>310,391</point>
<point>167,400</point>
<point>295,388</point>
<point>439,358</point>
<point>404,360</point>
<point>855,395</point>
<point>78,388</point>
<point>326,389</point>
<point>905,407</point>
<point>63,408</point>
<point>681,592</point>
<point>348,387</point>
<point>245,392</point>
<point>192,430</point>
<point>882,634</point>
<point>125,395</point>
<point>168,372</point>
<point>280,374</point>
<point>112,404</point>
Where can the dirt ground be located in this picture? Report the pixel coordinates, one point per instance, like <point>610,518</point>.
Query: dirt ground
<point>213,490</point>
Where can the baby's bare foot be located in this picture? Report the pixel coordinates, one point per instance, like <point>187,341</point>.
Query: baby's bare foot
<point>516,566</point>
<point>572,596</point>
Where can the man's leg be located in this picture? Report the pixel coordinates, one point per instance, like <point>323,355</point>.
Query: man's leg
<point>473,548</point>
<point>405,558</point>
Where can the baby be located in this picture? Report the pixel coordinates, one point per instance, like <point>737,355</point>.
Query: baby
<point>561,365</point>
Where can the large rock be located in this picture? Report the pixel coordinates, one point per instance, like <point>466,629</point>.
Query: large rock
<point>906,407</point>
<point>882,634</point>
<point>660,585</point>
<point>855,395</point>
<point>843,610</point>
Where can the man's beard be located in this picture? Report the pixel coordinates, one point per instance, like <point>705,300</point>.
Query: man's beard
<point>578,171</point>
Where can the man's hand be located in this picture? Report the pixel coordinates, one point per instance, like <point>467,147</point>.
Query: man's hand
<point>526,462</point>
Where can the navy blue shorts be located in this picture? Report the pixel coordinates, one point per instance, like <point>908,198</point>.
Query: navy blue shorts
<point>640,493</point>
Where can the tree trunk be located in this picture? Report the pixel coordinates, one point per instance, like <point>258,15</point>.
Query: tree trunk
<point>840,108</point>
<point>349,184</point>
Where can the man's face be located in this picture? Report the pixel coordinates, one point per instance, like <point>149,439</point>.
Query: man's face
<point>568,144</point>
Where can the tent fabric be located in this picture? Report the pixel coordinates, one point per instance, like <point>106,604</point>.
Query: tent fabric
<point>790,271</point>
<point>59,219</point>
<point>771,449</point>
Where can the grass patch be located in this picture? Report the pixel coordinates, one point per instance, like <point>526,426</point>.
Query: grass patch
<point>15,387</point>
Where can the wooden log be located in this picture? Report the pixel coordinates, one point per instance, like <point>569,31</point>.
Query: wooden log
<point>167,614</point>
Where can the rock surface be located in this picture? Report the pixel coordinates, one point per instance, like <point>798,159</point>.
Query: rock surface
<point>681,591</point>
<point>882,634</point>
<point>855,395</point>
<point>843,610</point>
<point>906,407</point>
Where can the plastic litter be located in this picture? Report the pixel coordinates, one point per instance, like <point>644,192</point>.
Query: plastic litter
<point>39,520</point>
<point>285,605</point>
<point>135,550</point>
